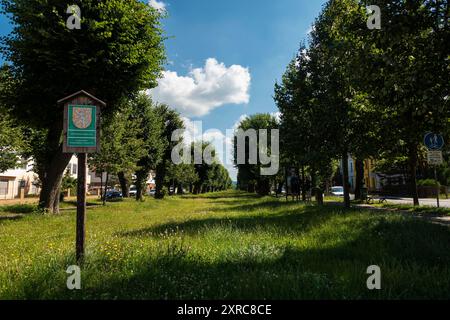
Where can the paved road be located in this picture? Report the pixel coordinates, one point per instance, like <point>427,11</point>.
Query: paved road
<point>423,202</point>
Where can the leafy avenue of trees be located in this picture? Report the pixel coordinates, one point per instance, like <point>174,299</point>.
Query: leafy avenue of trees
<point>371,93</point>
<point>349,90</point>
<point>117,53</point>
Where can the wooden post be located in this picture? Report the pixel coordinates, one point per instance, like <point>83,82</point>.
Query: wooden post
<point>22,193</point>
<point>81,206</point>
<point>81,129</point>
<point>437,186</point>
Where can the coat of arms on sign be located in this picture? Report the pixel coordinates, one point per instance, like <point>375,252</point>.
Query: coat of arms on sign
<point>82,117</point>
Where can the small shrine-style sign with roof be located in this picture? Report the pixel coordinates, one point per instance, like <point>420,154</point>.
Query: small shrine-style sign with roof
<point>81,123</point>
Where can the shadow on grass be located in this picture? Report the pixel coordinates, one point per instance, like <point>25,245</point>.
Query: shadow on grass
<point>19,208</point>
<point>296,220</point>
<point>213,196</point>
<point>330,264</point>
<point>10,217</point>
<point>413,257</point>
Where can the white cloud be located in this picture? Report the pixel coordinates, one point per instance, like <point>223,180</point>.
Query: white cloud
<point>158,5</point>
<point>204,89</point>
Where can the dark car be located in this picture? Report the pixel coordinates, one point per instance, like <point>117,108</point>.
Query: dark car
<point>113,195</point>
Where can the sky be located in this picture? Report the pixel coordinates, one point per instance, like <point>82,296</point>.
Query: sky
<point>224,58</point>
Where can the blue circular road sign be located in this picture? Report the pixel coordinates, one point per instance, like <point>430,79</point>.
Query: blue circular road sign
<point>434,141</point>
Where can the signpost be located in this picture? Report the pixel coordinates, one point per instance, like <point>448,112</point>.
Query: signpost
<point>434,143</point>
<point>81,136</point>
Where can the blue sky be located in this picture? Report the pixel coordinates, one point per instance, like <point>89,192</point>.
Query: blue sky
<point>225,56</point>
<point>261,35</point>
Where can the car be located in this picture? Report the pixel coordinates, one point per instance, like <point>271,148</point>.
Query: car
<point>133,191</point>
<point>113,195</point>
<point>152,192</point>
<point>337,191</point>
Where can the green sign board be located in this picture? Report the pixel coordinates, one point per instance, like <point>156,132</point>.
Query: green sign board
<point>82,126</point>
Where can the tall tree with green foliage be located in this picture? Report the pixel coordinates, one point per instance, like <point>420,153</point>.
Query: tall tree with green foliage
<point>181,176</point>
<point>120,142</point>
<point>12,142</point>
<point>406,69</point>
<point>171,121</point>
<point>249,174</point>
<point>117,51</point>
<point>149,118</point>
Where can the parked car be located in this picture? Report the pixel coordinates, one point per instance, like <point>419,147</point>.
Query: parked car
<point>152,192</point>
<point>337,191</point>
<point>113,195</point>
<point>133,191</point>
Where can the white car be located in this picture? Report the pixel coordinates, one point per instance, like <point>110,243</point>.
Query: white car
<point>337,191</point>
<point>132,192</point>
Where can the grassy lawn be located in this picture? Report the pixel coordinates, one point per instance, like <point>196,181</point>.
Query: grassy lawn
<point>227,246</point>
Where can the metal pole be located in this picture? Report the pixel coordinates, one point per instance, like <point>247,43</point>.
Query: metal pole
<point>437,186</point>
<point>81,207</point>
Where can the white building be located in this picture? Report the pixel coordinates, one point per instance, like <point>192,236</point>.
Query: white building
<point>12,180</point>
<point>351,172</point>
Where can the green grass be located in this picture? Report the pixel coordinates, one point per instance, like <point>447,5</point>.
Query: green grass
<point>18,208</point>
<point>421,210</point>
<point>225,246</point>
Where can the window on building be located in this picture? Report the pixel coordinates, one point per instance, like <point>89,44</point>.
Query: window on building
<point>74,168</point>
<point>3,187</point>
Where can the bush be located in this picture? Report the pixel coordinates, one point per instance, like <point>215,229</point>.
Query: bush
<point>428,183</point>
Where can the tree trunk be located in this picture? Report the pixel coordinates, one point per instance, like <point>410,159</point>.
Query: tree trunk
<point>141,178</point>
<point>106,188</point>
<point>159,180</point>
<point>101,184</point>
<point>51,181</point>
<point>180,189</point>
<point>345,180</point>
<point>359,170</point>
<point>413,172</point>
<point>124,184</point>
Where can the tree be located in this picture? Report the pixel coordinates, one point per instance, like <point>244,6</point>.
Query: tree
<point>120,144</point>
<point>12,142</point>
<point>182,176</point>
<point>409,72</point>
<point>249,174</point>
<point>117,52</point>
<point>171,121</point>
<point>68,183</point>
<point>149,118</point>
<point>303,141</point>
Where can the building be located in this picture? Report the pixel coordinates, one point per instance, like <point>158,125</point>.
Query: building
<point>372,180</point>
<point>13,180</point>
<point>351,172</point>
<point>98,180</point>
